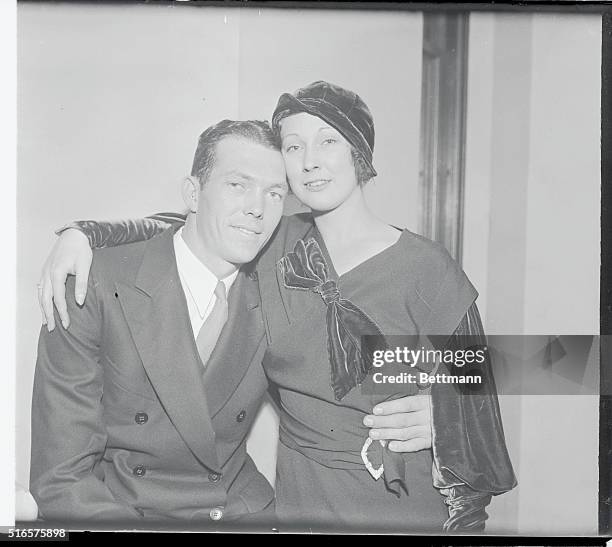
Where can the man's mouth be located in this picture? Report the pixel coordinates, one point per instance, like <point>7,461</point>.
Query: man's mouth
<point>250,232</point>
<point>317,184</point>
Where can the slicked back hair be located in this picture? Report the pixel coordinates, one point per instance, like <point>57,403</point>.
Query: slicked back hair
<point>255,131</point>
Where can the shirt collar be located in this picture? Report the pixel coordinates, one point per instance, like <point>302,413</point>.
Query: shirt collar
<point>196,277</point>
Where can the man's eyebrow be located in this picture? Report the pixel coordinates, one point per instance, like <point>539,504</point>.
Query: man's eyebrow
<point>281,185</point>
<point>240,174</point>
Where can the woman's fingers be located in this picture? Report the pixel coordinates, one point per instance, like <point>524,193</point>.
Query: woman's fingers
<point>83,264</point>
<point>45,299</point>
<point>39,289</point>
<point>71,255</point>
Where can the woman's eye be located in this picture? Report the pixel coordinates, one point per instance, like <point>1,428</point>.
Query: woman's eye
<point>276,196</point>
<point>330,140</point>
<point>291,148</point>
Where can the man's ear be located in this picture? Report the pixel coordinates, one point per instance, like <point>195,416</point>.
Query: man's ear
<point>191,193</point>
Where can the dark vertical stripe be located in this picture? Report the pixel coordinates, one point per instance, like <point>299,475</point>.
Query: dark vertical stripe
<point>605,404</point>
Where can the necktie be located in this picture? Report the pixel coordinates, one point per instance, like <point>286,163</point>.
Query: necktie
<point>211,328</point>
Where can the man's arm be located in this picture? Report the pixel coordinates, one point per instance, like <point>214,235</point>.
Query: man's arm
<point>68,432</point>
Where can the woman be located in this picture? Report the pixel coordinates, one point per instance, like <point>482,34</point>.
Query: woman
<point>326,280</point>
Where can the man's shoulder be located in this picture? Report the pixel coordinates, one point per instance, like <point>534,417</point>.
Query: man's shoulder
<point>122,263</point>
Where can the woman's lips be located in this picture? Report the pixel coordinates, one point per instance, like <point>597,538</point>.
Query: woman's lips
<point>317,184</point>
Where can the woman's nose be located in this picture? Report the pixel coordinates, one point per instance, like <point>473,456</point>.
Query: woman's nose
<point>309,160</point>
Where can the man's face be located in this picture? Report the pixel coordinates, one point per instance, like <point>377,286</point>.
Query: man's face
<point>241,202</point>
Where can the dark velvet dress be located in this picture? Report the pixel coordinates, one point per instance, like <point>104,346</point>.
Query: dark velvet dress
<point>321,480</point>
<point>411,288</point>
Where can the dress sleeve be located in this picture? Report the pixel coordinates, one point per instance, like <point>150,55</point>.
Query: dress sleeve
<point>112,233</point>
<point>471,462</point>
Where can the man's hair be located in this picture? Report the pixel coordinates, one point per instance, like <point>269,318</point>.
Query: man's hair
<point>255,131</point>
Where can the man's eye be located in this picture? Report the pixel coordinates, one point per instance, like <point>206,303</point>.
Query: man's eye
<point>330,140</point>
<point>292,148</point>
<point>276,196</point>
<point>235,185</point>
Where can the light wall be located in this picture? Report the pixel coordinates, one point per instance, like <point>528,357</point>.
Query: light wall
<point>112,99</point>
<point>532,241</point>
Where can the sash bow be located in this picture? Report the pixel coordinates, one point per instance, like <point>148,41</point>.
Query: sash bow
<point>351,361</point>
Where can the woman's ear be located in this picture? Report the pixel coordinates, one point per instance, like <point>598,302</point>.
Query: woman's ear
<point>191,193</point>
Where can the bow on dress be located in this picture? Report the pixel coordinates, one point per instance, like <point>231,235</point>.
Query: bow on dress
<point>351,361</point>
<point>350,352</point>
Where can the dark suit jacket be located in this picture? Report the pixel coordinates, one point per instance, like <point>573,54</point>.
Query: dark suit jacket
<point>125,423</point>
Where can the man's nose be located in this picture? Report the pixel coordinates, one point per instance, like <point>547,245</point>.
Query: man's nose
<point>310,159</point>
<point>255,204</point>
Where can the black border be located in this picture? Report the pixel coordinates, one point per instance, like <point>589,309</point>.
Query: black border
<point>605,405</point>
<point>605,307</point>
<point>567,6</point>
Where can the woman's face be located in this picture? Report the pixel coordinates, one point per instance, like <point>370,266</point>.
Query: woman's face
<point>318,160</point>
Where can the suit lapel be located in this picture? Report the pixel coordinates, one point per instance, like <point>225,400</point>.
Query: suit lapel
<point>157,315</point>
<point>237,343</point>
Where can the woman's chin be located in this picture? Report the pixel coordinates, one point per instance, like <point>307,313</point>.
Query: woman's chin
<point>320,202</point>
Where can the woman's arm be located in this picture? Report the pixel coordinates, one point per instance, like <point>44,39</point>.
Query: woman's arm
<point>469,423</point>
<point>101,234</point>
<point>72,255</point>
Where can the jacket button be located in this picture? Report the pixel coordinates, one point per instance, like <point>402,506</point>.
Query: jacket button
<point>139,470</point>
<point>216,513</point>
<point>241,416</point>
<point>214,477</point>
<point>141,418</point>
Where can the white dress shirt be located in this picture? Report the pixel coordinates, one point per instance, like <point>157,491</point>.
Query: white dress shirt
<point>198,283</point>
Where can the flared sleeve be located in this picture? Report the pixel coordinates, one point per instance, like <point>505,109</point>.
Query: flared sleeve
<point>103,234</point>
<point>471,461</point>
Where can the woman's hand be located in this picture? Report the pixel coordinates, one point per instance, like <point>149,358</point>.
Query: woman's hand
<point>405,422</point>
<point>71,255</point>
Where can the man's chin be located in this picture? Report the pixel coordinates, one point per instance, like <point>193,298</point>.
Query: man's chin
<point>244,250</point>
<point>244,257</point>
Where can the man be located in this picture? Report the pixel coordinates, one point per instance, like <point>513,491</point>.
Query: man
<point>141,409</point>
